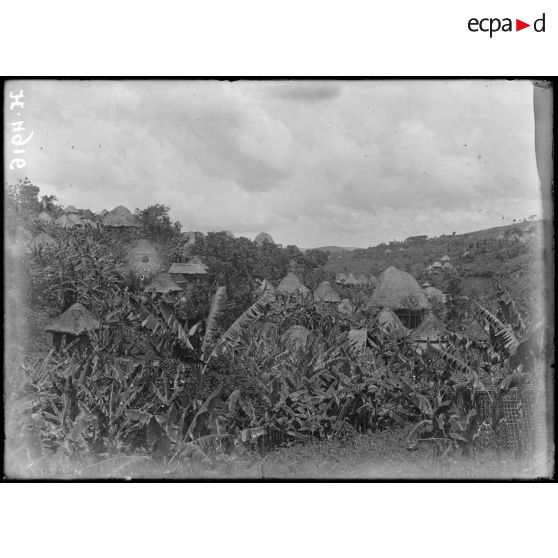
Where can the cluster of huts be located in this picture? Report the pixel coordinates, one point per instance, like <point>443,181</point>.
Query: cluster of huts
<point>405,307</point>
<point>444,265</point>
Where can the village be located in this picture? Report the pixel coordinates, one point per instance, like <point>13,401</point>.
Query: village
<point>200,352</point>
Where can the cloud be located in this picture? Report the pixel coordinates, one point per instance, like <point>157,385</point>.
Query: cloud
<point>312,163</point>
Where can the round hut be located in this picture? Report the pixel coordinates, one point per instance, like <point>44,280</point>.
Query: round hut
<point>400,291</point>
<point>446,258</point>
<point>119,220</point>
<point>73,325</point>
<point>326,293</point>
<point>262,238</point>
<point>291,284</point>
<point>71,210</point>
<point>389,321</point>
<point>65,222</point>
<point>431,330</point>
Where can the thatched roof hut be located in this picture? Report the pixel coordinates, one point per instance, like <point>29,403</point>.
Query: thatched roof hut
<point>43,240</point>
<point>163,283</point>
<point>435,295</point>
<point>103,212</point>
<point>446,258</point>
<point>436,265</point>
<point>228,233</point>
<point>76,219</point>
<point>431,329</point>
<point>120,218</point>
<point>143,257</point>
<point>389,321</point>
<point>263,237</point>
<point>399,290</point>
<point>65,222</point>
<point>326,293</point>
<point>447,265</point>
<point>44,217</point>
<point>71,210</point>
<point>291,284</point>
<point>74,321</point>
<point>193,267</point>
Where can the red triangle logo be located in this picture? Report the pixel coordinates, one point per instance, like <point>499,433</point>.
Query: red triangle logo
<point>519,25</point>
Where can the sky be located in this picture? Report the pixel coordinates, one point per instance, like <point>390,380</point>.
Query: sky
<point>313,163</point>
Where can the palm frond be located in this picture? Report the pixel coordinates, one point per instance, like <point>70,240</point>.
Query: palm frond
<point>216,312</point>
<point>232,335</point>
<point>503,333</point>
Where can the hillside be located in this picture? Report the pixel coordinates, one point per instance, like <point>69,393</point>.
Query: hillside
<point>509,253</point>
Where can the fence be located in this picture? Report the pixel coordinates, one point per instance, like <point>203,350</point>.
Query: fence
<point>511,416</point>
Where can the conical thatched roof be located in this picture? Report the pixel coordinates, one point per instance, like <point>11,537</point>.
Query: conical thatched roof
<point>44,217</point>
<point>429,268</point>
<point>143,257</point>
<point>103,212</point>
<point>447,265</point>
<point>434,294</point>
<point>75,321</point>
<point>326,293</point>
<point>263,237</point>
<point>65,222</point>
<point>76,219</point>
<point>163,283</point>
<point>43,240</point>
<point>389,321</point>
<point>446,258</point>
<point>120,217</point>
<point>70,210</point>
<point>399,290</point>
<point>229,234</point>
<point>430,329</point>
<point>292,284</point>
<point>436,265</point>
<point>426,284</point>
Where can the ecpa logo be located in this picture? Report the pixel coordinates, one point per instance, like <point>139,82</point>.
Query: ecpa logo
<point>494,24</point>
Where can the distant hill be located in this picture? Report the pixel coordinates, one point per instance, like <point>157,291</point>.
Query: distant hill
<point>336,249</point>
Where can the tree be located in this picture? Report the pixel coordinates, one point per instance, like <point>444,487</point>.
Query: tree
<point>24,195</point>
<point>156,223</point>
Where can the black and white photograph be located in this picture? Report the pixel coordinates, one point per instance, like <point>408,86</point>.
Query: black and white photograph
<point>283,279</point>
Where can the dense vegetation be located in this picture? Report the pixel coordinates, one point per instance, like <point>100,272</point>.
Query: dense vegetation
<point>231,366</point>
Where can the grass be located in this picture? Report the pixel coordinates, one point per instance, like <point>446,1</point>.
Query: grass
<point>381,455</point>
